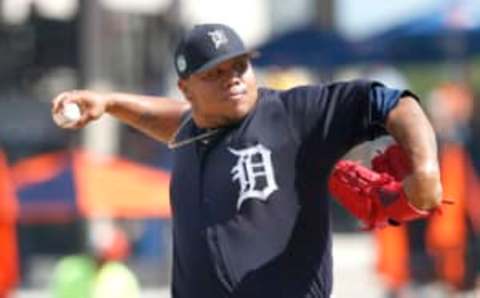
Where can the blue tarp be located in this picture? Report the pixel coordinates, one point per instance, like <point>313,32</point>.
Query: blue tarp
<point>50,197</point>
<point>451,31</point>
<point>306,46</point>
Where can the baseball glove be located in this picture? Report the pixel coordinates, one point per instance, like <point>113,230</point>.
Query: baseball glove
<point>375,196</point>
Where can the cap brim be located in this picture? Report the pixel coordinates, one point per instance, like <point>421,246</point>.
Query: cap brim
<point>224,58</point>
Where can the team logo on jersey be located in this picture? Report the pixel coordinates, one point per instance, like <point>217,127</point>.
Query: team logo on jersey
<point>218,38</point>
<point>254,172</point>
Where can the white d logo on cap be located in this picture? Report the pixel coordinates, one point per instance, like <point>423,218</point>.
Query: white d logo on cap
<point>218,38</point>
<point>181,63</point>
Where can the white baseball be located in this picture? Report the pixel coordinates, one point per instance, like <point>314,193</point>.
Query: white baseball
<point>68,115</point>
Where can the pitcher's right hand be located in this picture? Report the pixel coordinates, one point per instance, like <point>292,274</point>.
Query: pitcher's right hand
<point>92,106</point>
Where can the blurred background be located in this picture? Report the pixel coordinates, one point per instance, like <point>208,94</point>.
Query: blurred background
<point>72,202</point>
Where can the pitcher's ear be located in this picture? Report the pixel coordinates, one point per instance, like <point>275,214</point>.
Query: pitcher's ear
<point>183,86</point>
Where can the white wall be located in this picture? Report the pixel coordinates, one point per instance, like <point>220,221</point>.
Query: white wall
<point>287,14</point>
<point>358,19</point>
<point>250,18</point>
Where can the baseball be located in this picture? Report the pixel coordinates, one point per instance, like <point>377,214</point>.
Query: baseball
<point>68,115</point>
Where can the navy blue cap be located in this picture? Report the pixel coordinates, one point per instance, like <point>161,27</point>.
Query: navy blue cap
<point>206,46</point>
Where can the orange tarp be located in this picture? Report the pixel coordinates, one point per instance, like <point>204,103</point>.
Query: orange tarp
<point>8,202</point>
<point>113,187</point>
<point>447,232</point>
<point>39,168</point>
<point>34,172</point>
<point>393,255</point>
<point>9,273</point>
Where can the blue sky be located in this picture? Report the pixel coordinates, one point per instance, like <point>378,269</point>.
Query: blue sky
<point>359,18</point>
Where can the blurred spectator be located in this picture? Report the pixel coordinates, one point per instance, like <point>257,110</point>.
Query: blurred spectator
<point>452,236</point>
<point>101,272</point>
<point>473,144</point>
<point>441,255</point>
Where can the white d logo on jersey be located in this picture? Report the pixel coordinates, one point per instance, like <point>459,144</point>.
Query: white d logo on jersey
<point>254,171</point>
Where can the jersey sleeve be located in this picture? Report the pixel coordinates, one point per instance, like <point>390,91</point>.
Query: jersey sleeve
<point>340,115</point>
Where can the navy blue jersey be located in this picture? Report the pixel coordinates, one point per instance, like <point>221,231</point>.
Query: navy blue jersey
<point>250,209</point>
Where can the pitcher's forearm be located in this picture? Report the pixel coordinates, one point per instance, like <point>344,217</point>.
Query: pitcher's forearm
<point>410,127</point>
<point>158,117</point>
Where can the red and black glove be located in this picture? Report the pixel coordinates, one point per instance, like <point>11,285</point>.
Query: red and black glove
<point>376,197</point>
<point>392,161</point>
